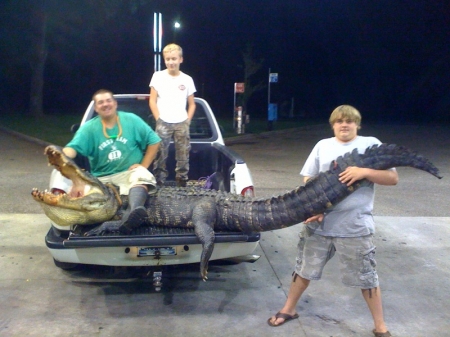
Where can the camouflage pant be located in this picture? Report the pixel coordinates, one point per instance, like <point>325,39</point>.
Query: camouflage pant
<point>179,132</point>
<point>356,257</point>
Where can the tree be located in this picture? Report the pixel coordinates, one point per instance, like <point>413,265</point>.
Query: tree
<point>44,28</point>
<point>251,67</point>
<point>37,57</point>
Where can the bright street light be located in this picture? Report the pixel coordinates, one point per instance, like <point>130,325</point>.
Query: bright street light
<point>176,26</point>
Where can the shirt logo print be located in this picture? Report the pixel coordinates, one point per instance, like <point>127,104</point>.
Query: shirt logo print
<point>114,155</point>
<point>181,87</point>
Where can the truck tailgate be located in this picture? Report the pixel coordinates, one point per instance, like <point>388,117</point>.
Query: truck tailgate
<point>143,236</point>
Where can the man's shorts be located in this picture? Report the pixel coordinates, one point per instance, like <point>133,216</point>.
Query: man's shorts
<point>131,178</point>
<point>356,258</point>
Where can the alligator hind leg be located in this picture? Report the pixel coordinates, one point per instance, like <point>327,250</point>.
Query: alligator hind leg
<point>203,217</point>
<point>207,239</point>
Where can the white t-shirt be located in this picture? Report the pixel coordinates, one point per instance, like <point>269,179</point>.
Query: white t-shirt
<point>352,217</point>
<point>173,92</point>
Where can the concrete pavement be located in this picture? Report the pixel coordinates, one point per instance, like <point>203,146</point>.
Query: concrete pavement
<point>38,299</point>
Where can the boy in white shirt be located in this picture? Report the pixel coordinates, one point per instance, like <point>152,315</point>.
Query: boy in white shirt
<point>345,230</point>
<point>170,90</point>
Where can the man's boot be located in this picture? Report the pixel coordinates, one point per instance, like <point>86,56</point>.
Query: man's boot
<point>181,182</point>
<point>136,213</point>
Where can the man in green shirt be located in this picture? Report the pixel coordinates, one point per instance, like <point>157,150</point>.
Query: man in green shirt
<point>120,147</point>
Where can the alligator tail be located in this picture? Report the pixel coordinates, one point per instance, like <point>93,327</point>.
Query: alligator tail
<point>384,156</point>
<point>318,194</point>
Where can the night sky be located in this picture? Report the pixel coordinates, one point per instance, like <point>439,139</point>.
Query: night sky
<point>390,59</point>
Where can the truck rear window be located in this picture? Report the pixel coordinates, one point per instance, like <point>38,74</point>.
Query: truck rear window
<point>200,127</point>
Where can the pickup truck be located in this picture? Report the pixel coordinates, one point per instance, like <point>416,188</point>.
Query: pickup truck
<point>156,247</point>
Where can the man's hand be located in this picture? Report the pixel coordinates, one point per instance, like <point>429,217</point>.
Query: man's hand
<point>132,167</point>
<point>77,190</point>
<point>69,152</point>
<point>352,174</point>
<point>318,217</point>
<point>382,177</point>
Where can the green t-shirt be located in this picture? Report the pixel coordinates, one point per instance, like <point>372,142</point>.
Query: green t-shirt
<point>110,155</point>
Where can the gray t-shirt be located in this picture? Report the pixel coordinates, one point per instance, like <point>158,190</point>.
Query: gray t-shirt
<point>352,217</point>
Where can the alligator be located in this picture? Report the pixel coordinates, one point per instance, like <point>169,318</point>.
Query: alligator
<point>208,211</point>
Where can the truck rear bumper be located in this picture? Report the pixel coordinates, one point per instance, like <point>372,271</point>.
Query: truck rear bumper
<point>120,250</point>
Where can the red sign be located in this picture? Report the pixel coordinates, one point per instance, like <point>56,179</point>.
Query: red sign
<point>239,88</point>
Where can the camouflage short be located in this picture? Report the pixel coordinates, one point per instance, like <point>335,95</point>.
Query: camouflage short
<point>356,258</point>
<point>179,132</point>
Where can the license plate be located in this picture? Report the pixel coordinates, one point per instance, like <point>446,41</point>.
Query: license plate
<point>154,251</point>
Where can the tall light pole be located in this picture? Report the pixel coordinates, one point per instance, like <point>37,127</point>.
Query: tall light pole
<point>157,39</point>
<point>176,26</point>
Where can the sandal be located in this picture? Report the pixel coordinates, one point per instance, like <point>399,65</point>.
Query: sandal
<point>381,334</point>
<point>286,318</point>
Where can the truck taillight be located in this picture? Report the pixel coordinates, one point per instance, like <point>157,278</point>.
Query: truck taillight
<point>248,191</point>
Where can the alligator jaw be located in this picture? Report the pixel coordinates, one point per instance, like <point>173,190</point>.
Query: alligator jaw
<point>93,202</point>
<point>69,169</point>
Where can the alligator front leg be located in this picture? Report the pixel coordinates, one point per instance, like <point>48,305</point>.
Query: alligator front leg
<point>203,218</point>
<point>106,227</point>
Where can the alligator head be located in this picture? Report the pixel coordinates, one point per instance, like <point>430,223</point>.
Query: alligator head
<point>88,202</point>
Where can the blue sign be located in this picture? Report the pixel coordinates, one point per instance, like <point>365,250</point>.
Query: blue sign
<point>273,77</point>
<point>273,112</point>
